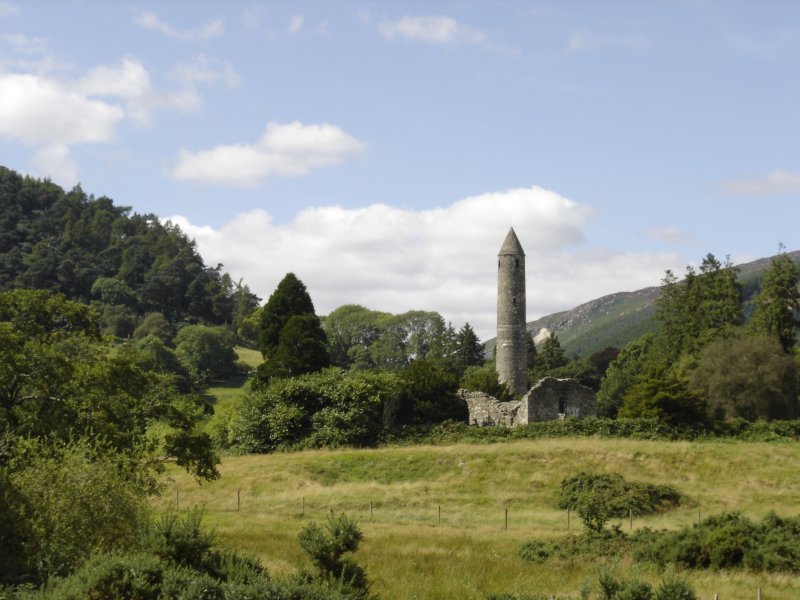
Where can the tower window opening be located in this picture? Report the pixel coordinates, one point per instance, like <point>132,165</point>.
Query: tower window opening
<point>513,300</point>
<point>516,262</point>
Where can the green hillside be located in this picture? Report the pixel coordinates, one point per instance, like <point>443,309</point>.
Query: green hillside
<point>408,553</point>
<point>617,319</point>
<point>93,251</point>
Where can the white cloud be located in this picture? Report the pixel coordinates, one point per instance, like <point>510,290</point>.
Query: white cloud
<point>40,111</point>
<point>206,70</point>
<point>55,161</point>
<point>588,41</point>
<point>441,259</point>
<point>773,183</point>
<point>8,10</point>
<point>211,29</point>
<point>296,24</point>
<point>54,114</point>
<point>286,150</point>
<point>433,29</point>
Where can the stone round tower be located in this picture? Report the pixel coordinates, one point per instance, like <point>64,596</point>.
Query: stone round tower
<point>512,347</point>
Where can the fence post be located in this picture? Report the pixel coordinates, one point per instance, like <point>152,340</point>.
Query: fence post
<point>759,593</point>
<point>440,514</point>
<point>238,501</point>
<point>370,510</point>
<point>506,518</point>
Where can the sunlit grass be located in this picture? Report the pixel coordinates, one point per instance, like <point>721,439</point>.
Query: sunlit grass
<point>409,554</point>
<point>226,395</point>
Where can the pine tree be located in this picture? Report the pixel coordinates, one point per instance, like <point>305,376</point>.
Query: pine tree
<point>302,348</point>
<point>552,354</point>
<point>469,349</point>
<point>699,309</point>
<point>290,298</point>
<point>778,301</point>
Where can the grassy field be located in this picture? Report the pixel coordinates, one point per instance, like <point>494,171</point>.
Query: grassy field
<point>396,494</point>
<point>225,395</point>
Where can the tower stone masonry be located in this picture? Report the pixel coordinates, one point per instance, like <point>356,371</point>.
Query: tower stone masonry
<point>512,347</point>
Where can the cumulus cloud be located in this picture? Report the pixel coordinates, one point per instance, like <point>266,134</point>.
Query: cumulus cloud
<point>443,259</point>
<point>130,82</point>
<point>211,29</point>
<point>40,111</point>
<point>773,183</point>
<point>53,113</point>
<point>588,41</point>
<point>433,30</point>
<point>286,150</point>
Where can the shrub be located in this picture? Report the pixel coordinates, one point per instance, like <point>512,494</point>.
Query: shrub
<point>537,551</point>
<point>326,547</point>
<point>725,541</point>
<point>330,408</point>
<point>621,496</point>
<point>71,502</point>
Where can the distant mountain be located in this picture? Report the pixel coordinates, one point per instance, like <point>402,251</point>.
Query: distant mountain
<point>617,319</point>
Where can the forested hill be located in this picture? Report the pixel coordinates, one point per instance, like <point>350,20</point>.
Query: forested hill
<point>93,251</point>
<point>617,319</point>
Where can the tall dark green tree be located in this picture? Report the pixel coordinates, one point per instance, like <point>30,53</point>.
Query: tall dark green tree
<point>701,308</point>
<point>778,302</point>
<point>551,356</point>
<point>469,350</point>
<point>290,298</point>
<point>660,394</point>
<point>302,348</point>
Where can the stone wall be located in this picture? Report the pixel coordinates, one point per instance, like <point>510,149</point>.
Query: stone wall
<point>548,400</point>
<point>485,410</point>
<point>554,398</point>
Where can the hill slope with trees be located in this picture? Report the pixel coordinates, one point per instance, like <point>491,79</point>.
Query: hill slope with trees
<point>126,264</point>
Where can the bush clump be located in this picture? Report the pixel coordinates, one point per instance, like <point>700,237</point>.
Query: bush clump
<point>725,541</point>
<point>621,497</point>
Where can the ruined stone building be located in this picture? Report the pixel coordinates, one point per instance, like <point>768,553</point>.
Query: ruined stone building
<point>549,398</point>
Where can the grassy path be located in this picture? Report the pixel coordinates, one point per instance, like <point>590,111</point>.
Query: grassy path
<point>409,554</point>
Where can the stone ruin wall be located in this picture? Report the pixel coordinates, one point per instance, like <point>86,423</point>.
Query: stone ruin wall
<point>548,400</point>
<point>486,410</point>
<point>551,398</point>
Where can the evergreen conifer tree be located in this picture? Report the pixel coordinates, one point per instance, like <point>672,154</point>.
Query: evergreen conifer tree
<point>290,298</point>
<point>778,301</point>
<point>468,347</point>
<point>552,354</point>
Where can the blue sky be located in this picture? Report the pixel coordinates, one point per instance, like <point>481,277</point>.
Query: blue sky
<point>381,150</point>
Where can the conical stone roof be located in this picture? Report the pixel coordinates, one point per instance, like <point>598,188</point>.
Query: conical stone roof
<point>511,245</point>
